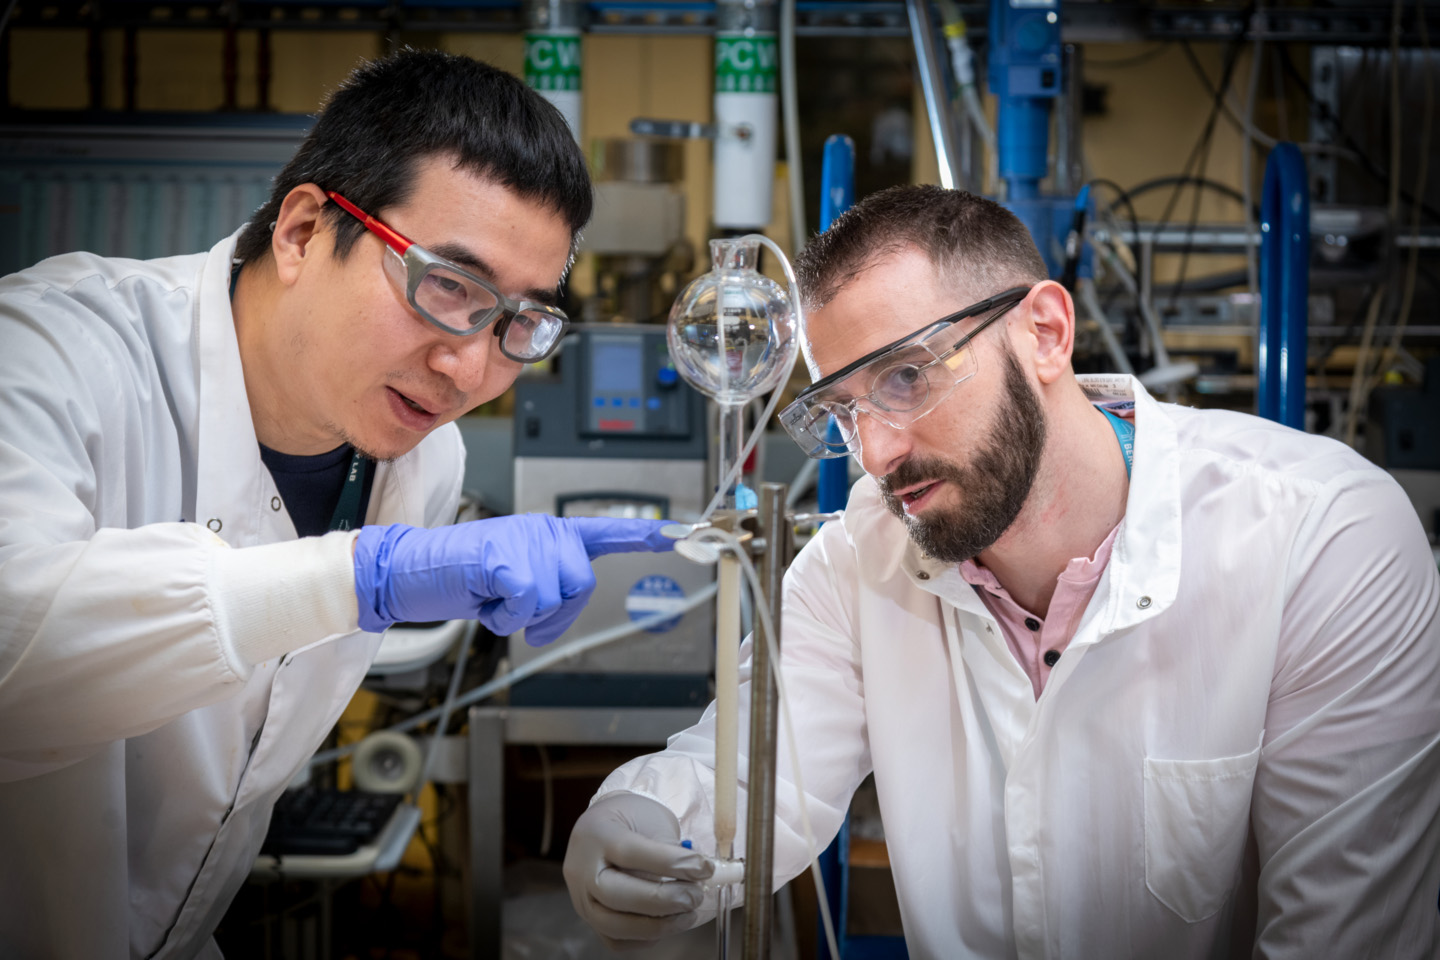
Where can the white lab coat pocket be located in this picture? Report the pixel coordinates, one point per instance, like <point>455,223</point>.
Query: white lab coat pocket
<point>1196,820</point>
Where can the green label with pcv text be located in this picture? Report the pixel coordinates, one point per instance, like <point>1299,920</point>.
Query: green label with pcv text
<point>745,64</point>
<point>552,61</point>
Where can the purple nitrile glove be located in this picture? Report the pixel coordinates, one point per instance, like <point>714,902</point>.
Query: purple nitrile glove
<point>529,571</point>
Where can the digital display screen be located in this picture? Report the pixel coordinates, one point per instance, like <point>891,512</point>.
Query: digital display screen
<point>616,365</point>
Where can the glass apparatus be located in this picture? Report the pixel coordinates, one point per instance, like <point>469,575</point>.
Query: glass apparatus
<point>733,335</point>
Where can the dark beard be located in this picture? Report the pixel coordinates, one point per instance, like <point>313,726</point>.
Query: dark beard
<point>993,486</point>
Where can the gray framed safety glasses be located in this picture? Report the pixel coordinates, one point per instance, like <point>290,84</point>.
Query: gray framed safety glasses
<point>460,302</point>
<point>896,384</point>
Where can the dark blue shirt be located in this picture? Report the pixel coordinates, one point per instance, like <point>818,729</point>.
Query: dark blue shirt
<point>310,486</point>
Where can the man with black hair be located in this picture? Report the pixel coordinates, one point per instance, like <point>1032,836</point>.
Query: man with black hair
<point>1133,680</point>
<point>218,473</point>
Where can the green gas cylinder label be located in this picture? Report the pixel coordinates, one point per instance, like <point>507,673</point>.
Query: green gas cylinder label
<point>745,64</point>
<point>552,61</point>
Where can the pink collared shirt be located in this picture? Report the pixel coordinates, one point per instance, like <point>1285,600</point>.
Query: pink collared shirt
<point>1036,643</point>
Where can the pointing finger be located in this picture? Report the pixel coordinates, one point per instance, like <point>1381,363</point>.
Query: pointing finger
<point>603,535</point>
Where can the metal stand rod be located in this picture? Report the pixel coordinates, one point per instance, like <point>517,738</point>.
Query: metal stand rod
<point>764,728</point>
<point>932,84</point>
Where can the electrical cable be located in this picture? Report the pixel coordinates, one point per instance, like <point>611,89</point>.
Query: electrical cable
<point>1357,153</point>
<point>1407,296</point>
<point>1120,63</point>
<point>1261,139</point>
<point>5,17</point>
<point>547,823</point>
<point>1121,196</point>
<point>1224,189</point>
<point>543,662</point>
<point>1357,378</point>
<point>1247,174</point>
<point>1201,149</point>
<point>1360,377</point>
<point>1202,153</point>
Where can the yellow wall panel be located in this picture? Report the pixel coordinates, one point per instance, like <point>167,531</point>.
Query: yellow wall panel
<point>503,50</point>
<point>179,70</point>
<point>308,65</point>
<point>47,70</point>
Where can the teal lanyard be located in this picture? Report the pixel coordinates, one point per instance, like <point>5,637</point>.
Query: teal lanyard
<point>1125,433</point>
<point>347,511</point>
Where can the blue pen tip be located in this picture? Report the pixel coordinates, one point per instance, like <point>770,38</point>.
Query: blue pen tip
<point>687,844</point>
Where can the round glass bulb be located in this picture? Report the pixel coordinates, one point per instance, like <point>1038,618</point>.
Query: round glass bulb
<point>732,331</point>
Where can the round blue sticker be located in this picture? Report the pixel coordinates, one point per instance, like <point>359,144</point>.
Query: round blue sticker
<point>655,594</point>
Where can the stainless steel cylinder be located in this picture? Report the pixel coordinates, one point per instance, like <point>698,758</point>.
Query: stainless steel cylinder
<point>642,161</point>
<point>746,16</point>
<point>555,14</point>
<point>764,729</point>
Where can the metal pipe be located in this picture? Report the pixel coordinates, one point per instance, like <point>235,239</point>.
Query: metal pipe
<point>1070,164</point>
<point>932,83</point>
<point>764,728</point>
<point>553,34</point>
<point>1284,287</point>
<point>1112,343</point>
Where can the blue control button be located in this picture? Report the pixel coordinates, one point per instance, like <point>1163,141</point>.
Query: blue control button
<point>634,401</point>
<point>616,402</point>
<point>599,401</point>
<point>667,377</point>
<point>653,403</point>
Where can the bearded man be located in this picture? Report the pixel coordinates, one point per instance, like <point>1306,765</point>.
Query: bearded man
<point>1134,680</point>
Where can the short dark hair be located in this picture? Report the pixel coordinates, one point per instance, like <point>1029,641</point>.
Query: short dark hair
<point>969,239</point>
<point>394,112</point>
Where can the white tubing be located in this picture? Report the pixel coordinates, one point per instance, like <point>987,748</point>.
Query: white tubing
<point>543,662</point>
<point>1112,343</point>
<point>451,694</point>
<point>727,710</point>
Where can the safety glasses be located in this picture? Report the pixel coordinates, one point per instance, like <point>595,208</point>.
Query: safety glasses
<point>897,384</point>
<point>459,302</point>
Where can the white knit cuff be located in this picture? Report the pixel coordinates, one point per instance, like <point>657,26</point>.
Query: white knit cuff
<point>276,598</point>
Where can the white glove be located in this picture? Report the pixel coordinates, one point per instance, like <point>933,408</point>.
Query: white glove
<point>628,875</point>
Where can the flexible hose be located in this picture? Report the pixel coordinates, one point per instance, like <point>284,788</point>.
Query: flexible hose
<point>543,662</point>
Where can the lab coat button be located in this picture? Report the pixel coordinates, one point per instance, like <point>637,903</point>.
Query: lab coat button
<point>1143,603</point>
<point>274,503</point>
<point>214,524</point>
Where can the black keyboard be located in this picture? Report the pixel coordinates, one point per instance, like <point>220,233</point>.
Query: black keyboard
<point>327,822</point>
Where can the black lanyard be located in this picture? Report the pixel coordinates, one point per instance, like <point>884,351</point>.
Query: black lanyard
<point>347,511</point>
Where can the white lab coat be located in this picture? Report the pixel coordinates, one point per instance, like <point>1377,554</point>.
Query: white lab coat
<point>1240,746</point>
<point>140,751</point>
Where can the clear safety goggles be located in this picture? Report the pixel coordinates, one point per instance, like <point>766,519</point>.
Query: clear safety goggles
<point>460,302</point>
<point>896,384</point>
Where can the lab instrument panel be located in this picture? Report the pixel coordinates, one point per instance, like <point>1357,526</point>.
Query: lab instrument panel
<point>615,432</point>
